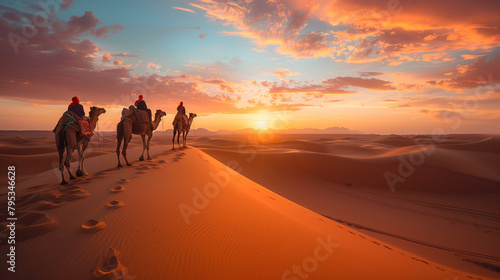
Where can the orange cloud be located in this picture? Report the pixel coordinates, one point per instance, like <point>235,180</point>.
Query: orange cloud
<point>283,73</point>
<point>184,9</point>
<point>106,57</point>
<point>368,31</point>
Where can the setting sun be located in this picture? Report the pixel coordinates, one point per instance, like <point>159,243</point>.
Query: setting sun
<point>261,124</point>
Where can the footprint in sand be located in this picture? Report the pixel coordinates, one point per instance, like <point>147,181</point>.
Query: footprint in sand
<point>47,205</point>
<point>76,194</point>
<point>117,189</point>
<point>67,188</point>
<point>157,166</point>
<point>31,224</point>
<point>162,161</point>
<point>124,180</point>
<point>115,204</point>
<point>93,225</point>
<point>109,267</point>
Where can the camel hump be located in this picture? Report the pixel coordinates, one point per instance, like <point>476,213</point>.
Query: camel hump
<point>127,112</point>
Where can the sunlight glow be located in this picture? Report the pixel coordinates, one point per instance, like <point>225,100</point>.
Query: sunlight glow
<point>261,124</point>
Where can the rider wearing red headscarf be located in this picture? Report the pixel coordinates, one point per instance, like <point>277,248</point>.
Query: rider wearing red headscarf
<point>76,107</point>
<point>181,110</point>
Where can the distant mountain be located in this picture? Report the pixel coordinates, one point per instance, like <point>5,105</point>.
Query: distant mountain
<point>331,130</point>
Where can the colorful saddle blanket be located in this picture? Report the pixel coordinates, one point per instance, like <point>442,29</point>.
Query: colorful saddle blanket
<point>81,124</point>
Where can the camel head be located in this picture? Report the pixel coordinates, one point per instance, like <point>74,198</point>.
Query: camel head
<point>192,115</point>
<point>160,113</point>
<point>96,111</point>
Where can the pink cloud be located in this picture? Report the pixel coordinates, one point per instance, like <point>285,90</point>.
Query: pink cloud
<point>481,72</point>
<point>103,31</point>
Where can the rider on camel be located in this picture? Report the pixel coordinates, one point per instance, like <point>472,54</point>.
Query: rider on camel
<point>181,113</point>
<point>141,105</point>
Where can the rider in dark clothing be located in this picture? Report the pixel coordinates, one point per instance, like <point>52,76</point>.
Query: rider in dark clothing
<point>141,105</point>
<point>76,107</point>
<point>182,112</point>
<point>181,108</point>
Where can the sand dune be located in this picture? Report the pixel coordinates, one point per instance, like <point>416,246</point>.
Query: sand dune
<point>453,192</point>
<point>186,215</point>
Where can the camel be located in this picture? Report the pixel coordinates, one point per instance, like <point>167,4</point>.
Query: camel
<point>180,126</point>
<point>68,138</point>
<point>127,127</point>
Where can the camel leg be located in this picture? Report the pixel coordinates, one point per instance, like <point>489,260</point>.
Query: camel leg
<point>79,172</point>
<point>147,145</point>
<point>60,150</point>
<point>178,135</point>
<point>143,147</point>
<point>119,138</point>
<point>60,137</point>
<point>84,146</point>
<point>124,150</point>
<point>173,138</point>
<point>118,144</point>
<point>186,139</point>
<point>69,152</point>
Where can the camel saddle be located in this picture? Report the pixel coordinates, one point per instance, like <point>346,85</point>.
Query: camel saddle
<point>81,125</point>
<point>182,118</point>
<point>136,115</point>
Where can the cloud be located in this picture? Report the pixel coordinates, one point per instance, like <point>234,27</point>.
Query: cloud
<point>184,9</point>
<point>337,85</point>
<point>270,23</point>
<point>85,24</point>
<point>11,16</point>
<point>61,61</point>
<point>103,31</point>
<point>481,72</point>
<point>372,83</point>
<point>363,30</point>
<point>368,74</point>
<point>106,57</point>
<point>283,73</point>
<point>201,36</point>
<point>124,54</point>
<point>153,65</point>
<point>66,4</point>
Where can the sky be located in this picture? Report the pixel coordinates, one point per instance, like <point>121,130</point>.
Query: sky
<point>375,66</point>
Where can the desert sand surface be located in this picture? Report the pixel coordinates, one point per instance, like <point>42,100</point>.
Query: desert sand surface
<point>243,207</point>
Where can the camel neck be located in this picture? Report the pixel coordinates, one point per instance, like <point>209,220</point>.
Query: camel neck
<point>156,122</point>
<point>93,121</point>
<point>190,121</point>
